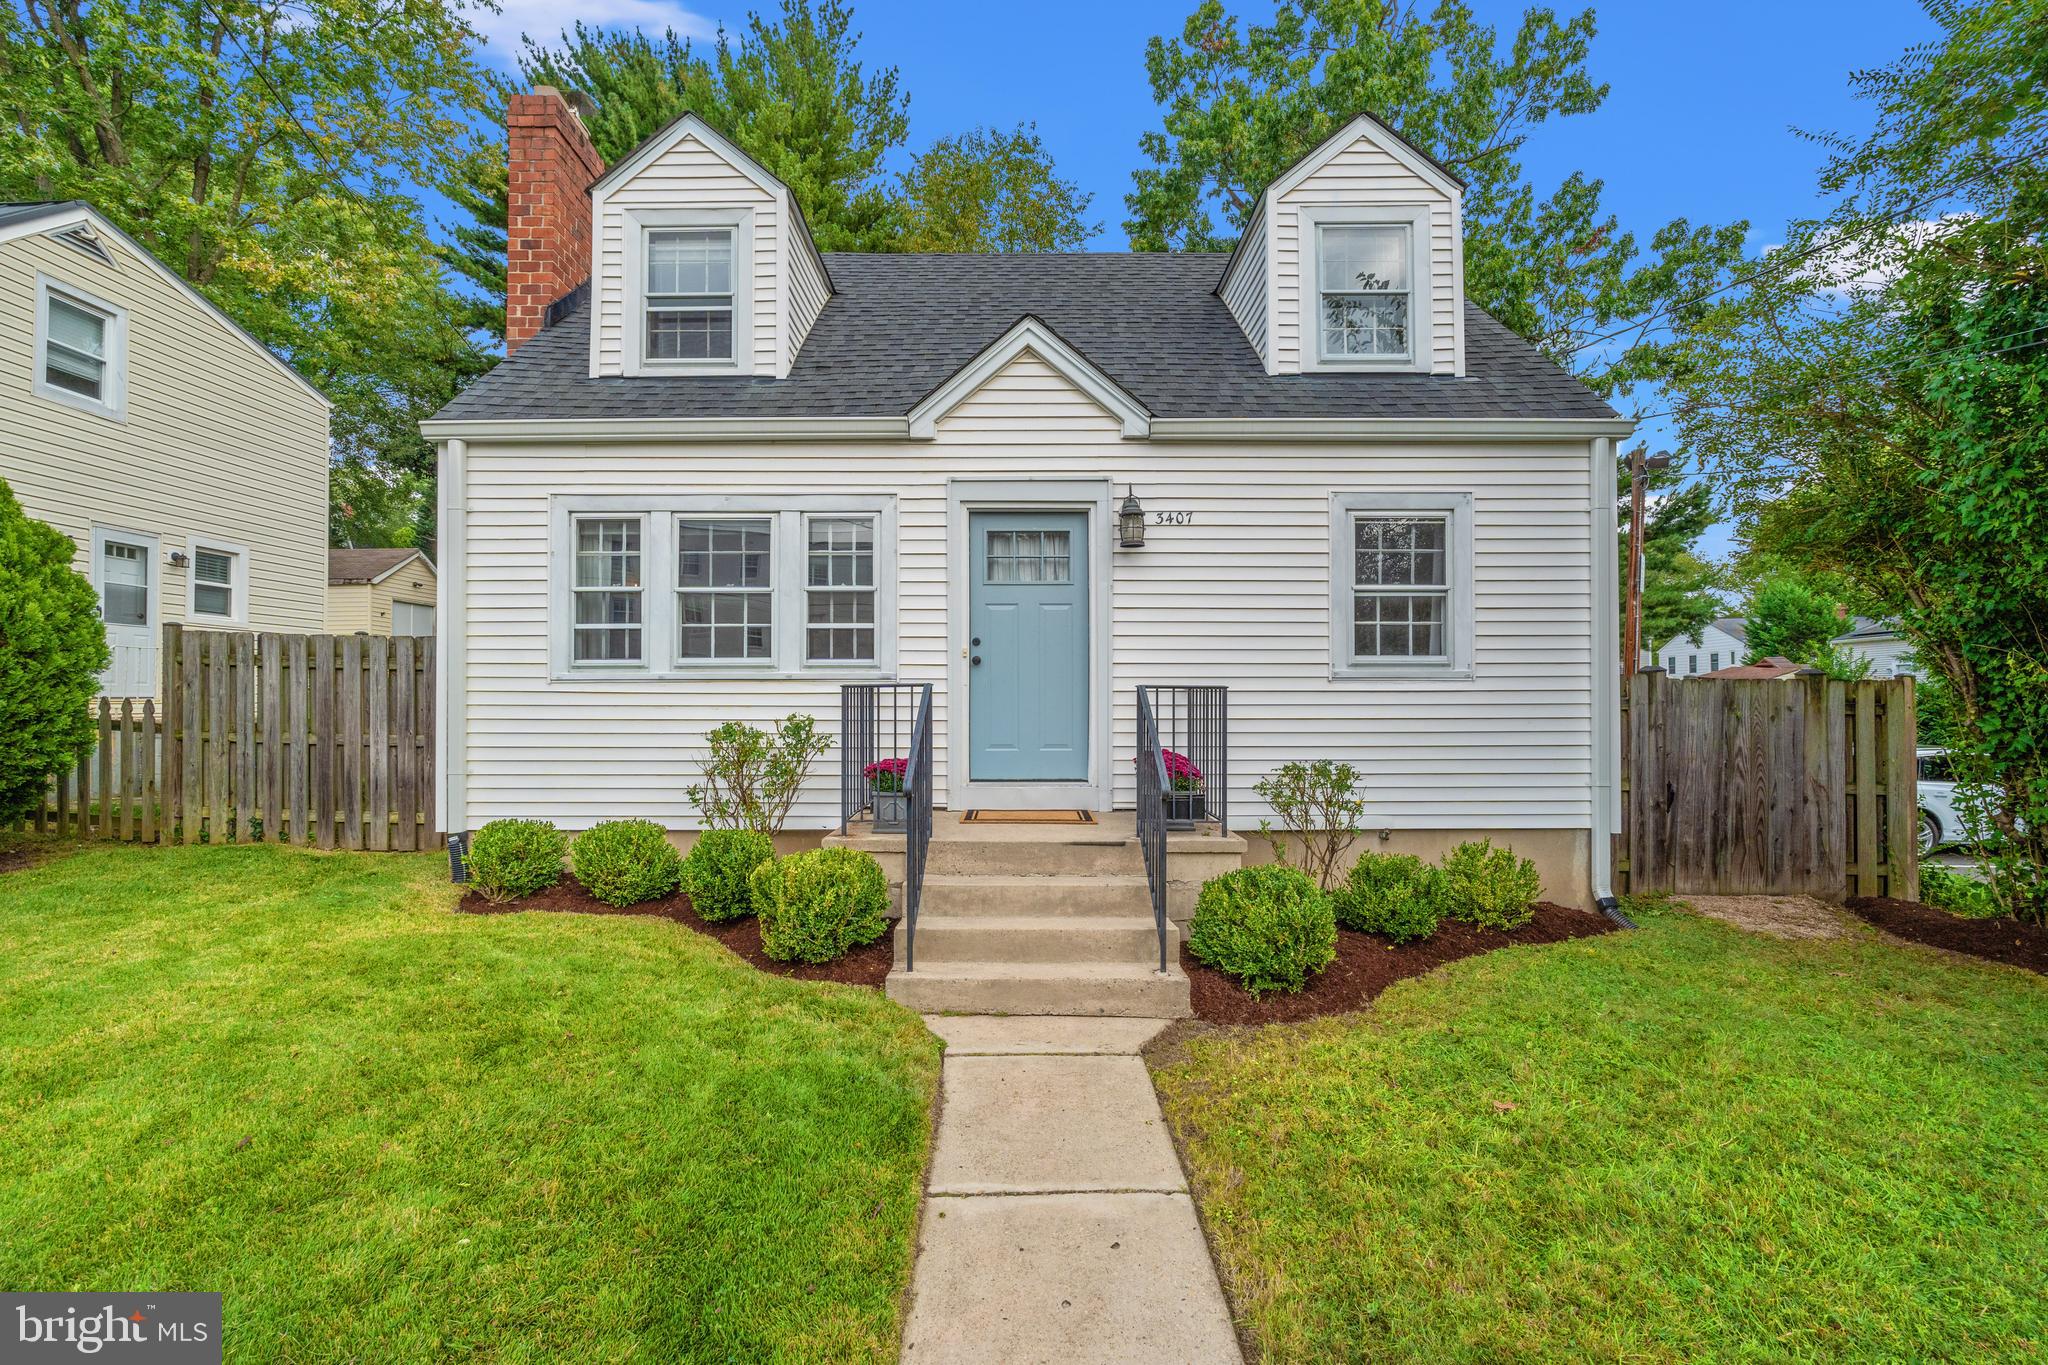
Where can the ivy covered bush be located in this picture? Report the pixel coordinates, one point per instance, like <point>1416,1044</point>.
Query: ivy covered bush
<point>1271,927</point>
<point>1490,886</point>
<point>816,906</point>
<point>513,858</point>
<point>1395,895</point>
<point>625,862</point>
<point>52,651</point>
<point>717,870</point>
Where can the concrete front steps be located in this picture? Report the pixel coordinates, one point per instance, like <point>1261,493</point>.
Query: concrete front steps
<point>1045,919</point>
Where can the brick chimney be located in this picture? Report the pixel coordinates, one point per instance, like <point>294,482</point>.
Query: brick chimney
<point>548,178</point>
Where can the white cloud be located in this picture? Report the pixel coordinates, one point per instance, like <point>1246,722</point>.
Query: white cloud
<point>1841,266</point>
<point>545,20</point>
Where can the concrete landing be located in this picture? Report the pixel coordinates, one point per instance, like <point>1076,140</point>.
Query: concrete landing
<point>1058,1226</point>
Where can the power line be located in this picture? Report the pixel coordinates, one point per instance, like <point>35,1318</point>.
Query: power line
<point>1778,260</point>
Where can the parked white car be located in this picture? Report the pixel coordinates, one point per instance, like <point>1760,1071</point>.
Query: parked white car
<point>1940,822</point>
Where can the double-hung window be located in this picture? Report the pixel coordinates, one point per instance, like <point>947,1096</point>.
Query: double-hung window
<point>606,591</point>
<point>219,581</point>
<point>689,295</point>
<point>763,584</point>
<point>1400,587</point>
<point>839,585</point>
<point>79,357</point>
<point>725,589</point>
<point>1401,584</point>
<point>1367,281</point>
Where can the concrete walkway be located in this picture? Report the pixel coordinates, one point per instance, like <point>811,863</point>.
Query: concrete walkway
<point>1057,1223</point>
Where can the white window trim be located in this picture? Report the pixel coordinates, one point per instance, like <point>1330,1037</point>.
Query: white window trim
<point>238,583</point>
<point>1458,616</point>
<point>113,401</point>
<point>1422,307</point>
<point>658,580</point>
<point>775,592</point>
<point>638,223</point>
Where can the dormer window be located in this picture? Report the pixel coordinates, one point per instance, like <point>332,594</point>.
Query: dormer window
<point>1367,277</point>
<point>689,295</point>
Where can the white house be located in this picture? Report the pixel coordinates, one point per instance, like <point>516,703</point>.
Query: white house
<point>1722,643</point>
<point>1879,644</point>
<point>186,462</point>
<point>721,475</point>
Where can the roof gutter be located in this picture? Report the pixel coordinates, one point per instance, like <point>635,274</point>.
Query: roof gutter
<point>585,430</point>
<point>1356,430</point>
<point>1306,430</point>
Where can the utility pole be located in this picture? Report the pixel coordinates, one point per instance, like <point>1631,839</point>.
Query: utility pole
<point>1640,464</point>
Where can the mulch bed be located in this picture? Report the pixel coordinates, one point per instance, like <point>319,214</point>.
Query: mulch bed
<point>1366,965</point>
<point>864,966</point>
<point>1999,940</point>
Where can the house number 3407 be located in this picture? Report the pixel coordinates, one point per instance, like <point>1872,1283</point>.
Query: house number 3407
<point>1173,518</point>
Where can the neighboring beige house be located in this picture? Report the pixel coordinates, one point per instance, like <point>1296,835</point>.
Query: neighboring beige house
<point>186,462</point>
<point>380,592</point>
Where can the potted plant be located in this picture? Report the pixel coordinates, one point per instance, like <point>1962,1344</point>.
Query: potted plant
<point>1186,799</point>
<point>892,804</point>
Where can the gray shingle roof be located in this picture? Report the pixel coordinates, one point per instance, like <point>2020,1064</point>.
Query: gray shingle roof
<point>900,325</point>
<point>12,213</point>
<point>350,565</point>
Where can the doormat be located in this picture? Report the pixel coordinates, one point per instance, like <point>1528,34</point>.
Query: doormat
<point>1028,817</point>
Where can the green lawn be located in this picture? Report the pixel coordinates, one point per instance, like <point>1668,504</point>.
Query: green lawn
<point>389,1132</point>
<point>1679,1144</point>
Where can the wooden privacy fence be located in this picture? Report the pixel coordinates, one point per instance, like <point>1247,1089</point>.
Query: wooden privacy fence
<point>1779,786</point>
<point>325,740</point>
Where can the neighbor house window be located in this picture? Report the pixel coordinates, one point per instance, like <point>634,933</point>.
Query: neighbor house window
<point>79,345</point>
<point>606,590</point>
<point>689,294</point>
<point>219,577</point>
<point>1401,583</point>
<point>1365,276</point>
<point>725,589</point>
<point>839,585</point>
<point>1713,663</point>
<point>124,584</point>
<point>1671,664</point>
<point>1692,663</point>
<point>412,618</point>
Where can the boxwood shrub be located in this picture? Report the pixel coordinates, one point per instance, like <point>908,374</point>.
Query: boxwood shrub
<point>716,871</point>
<point>817,905</point>
<point>1490,886</point>
<point>513,858</point>
<point>1268,926</point>
<point>625,862</point>
<point>1395,895</point>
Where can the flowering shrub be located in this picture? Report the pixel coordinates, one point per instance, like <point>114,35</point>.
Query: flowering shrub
<point>1181,773</point>
<point>887,774</point>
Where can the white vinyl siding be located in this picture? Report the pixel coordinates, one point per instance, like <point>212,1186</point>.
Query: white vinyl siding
<point>215,443</point>
<point>690,177</point>
<point>1360,181</point>
<point>808,291</point>
<point>1244,288</point>
<point>1238,595</point>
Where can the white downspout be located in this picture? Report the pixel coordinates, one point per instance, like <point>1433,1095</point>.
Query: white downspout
<point>1605,791</point>
<point>451,645</point>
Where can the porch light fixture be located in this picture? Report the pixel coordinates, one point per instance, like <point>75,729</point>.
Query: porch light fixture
<point>1130,521</point>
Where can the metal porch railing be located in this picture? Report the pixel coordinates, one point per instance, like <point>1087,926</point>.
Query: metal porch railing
<point>890,724</point>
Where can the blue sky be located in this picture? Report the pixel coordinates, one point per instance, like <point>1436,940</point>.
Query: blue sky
<point>1699,123</point>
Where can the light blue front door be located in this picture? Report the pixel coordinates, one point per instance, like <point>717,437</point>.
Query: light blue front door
<point>1028,646</point>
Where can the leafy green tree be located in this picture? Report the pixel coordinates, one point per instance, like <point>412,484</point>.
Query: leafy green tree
<point>791,93</point>
<point>1876,403</point>
<point>1789,619</point>
<point>265,150</point>
<point>988,190</point>
<point>1245,101</point>
<point>52,652</point>
<point>1681,591</point>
